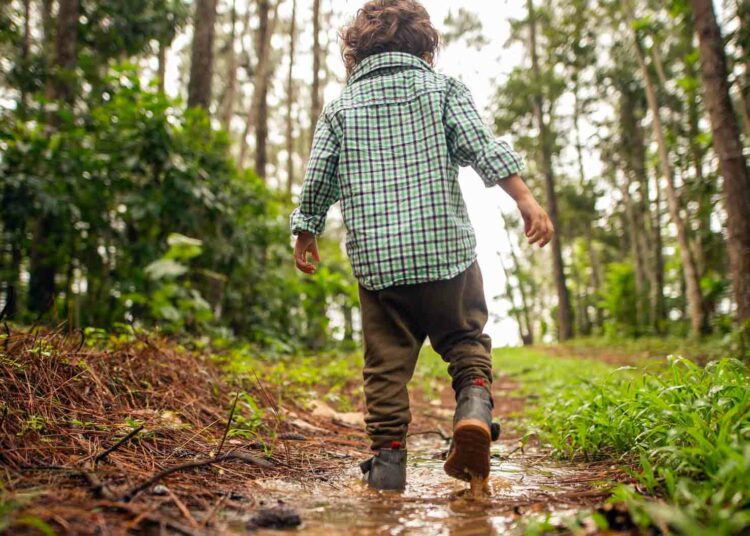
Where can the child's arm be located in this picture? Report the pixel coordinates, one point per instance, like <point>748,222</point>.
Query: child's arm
<point>320,190</point>
<point>471,143</point>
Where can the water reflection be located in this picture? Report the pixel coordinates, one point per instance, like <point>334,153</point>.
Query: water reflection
<point>432,504</point>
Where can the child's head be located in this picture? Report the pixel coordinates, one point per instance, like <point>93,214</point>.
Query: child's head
<point>389,26</point>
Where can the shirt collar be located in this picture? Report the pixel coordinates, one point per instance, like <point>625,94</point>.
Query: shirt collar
<point>386,59</point>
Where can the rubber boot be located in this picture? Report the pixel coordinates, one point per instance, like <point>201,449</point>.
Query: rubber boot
<point>473,431</point>
<point>386,470</point>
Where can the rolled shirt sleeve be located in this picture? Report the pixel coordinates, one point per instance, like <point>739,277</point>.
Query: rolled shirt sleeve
<point>471,143</point>
<point>320,188</point>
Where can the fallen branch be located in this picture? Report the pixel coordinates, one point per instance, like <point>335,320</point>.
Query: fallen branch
<point>132,492</point>
<point>121,442</point>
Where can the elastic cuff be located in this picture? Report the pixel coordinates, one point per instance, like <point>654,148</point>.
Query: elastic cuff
<point>304,223</point>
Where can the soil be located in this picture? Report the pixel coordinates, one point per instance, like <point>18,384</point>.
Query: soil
<point>131,440</point>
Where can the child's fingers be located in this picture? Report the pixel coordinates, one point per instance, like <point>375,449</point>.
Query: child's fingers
<point>300,259</point>
<point>314,251</point>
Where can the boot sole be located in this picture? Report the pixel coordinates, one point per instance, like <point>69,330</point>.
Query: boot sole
<point>470,456</point>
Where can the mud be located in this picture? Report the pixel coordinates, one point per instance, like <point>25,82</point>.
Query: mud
<point>523,484</point>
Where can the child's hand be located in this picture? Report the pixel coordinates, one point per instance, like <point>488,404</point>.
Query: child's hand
<point>306,244</point>
<point>537,225</point>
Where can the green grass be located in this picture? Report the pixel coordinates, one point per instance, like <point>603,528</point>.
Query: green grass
<point>684,429</point>
<point>702,350</point>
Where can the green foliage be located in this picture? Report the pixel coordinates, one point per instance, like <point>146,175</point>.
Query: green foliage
<point>172,300</point>
<point>619,300</point>
<point>685,430</point>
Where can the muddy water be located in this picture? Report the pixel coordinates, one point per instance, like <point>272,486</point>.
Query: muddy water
<point>520,485</point>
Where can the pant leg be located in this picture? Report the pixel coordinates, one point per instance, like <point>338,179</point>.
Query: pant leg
<point>392,343</point>
<point>454,313</point>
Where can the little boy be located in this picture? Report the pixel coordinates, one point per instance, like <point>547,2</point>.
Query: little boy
<point>389,149</point>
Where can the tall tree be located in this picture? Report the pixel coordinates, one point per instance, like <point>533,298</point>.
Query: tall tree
<point>315,101</point>
<point>61,87</point>
<point>230,91</point>
<point>564,309</point>
<point>689,269</point>
<point>290,101</point>
<point>257,117</point>
<point>728,147</point>
<point>202,55</point>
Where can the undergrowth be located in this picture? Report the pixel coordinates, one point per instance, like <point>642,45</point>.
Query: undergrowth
<point>683,430</point>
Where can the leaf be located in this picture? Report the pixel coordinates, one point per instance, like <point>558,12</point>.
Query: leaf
<point>165,268</point>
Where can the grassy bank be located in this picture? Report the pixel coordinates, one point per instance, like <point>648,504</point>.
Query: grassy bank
<point>684,430</point>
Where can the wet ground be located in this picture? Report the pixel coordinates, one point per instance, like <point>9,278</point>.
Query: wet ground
<point>524,484</point>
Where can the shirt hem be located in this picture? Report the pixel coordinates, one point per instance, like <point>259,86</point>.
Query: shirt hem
<point>405,281</point>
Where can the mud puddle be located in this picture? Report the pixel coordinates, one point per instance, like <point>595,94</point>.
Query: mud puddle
<point>521,485</point>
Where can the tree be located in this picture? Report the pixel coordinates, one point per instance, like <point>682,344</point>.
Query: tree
<point>290,102</point>
<point>728,148</point>
<point>61,87</point>
<point>690,271</point>
<point>257,116</point>
<point>202,55</point>
<point>564,310</point>
<point>315,102</point>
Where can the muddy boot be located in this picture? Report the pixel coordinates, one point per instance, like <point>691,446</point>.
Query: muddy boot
<point>473,431</point>
<point>386,470</point>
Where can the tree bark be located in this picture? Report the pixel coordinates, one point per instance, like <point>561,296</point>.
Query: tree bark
<point>257,117</point>
<point>230,92</point>
<point>728,147</point>
<point>315,101</point>
<point>61,88</point>
<point>634,151</point>
<point>202,55</point>
<point>690,273</point>
<point>290,102</point>
<point>161,69</point>
<point>564,309</point>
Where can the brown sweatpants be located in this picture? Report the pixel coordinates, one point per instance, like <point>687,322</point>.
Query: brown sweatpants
<point>395,323</point>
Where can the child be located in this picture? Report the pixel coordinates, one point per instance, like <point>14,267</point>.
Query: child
<point>389,149</point>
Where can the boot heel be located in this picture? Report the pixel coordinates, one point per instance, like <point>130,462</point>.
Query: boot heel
<point>470,455</point>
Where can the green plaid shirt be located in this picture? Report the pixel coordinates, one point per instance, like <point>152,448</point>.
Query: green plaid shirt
<point>389,149</point>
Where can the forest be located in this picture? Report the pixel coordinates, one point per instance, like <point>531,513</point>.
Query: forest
<point>151,152</point>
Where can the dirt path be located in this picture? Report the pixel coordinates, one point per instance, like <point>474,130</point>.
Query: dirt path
<point>72,457</point>
<point>524,483</point>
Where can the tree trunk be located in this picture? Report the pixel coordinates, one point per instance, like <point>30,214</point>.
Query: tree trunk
<point>527,335</point>
<point>230,93</point>
<point>257,117</point>
<point>316,106</point>
<point>161,70</point>
<point>658,308</point>
<point>290,102</point>
<point>261,90</point>
<point>692,281</point>
<point>61,87</point>
<point>633,146</point>
<point>728,147</point>
<point>564,310</point>
<point>202,55</point>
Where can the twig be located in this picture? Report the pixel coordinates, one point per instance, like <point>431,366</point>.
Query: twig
<point>121,442</point>
<point>83,340</point>
<point>229,423</point>
<point>192,465</point>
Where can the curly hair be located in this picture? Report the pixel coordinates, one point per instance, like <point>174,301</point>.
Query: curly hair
<point>389,26</point>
